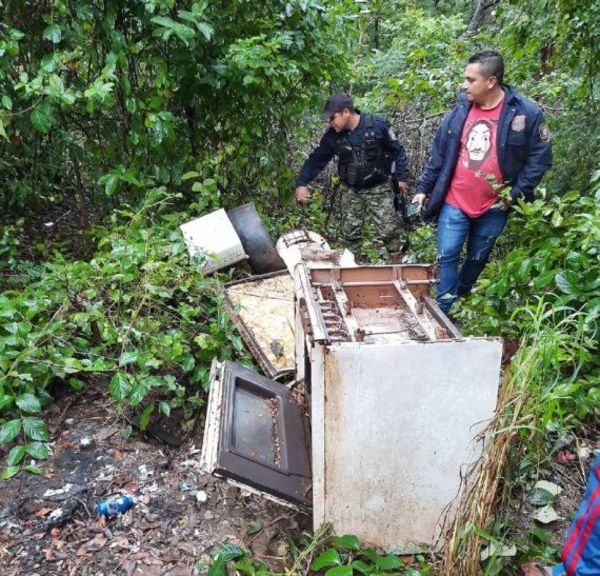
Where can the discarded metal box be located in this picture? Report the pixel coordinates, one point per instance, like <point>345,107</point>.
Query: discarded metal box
<point>214,235</point>
<point>397,399</point>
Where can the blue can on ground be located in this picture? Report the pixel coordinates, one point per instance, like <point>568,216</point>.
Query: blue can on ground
<point>115,505</point>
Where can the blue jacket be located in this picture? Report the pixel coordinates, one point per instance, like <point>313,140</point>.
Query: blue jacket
<point>524,152</point>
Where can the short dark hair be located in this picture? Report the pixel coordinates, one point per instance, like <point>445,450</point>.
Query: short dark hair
<point>490,64</point>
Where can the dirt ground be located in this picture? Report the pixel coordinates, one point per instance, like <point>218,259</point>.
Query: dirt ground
<point>48,523</point>
<point>567,466</point>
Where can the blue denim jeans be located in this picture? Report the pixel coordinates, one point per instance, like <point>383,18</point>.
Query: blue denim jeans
<point>454,227</point>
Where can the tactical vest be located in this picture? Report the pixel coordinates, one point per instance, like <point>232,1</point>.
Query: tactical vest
<point>364,165</point>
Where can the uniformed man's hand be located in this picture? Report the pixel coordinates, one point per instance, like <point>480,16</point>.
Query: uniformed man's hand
<point>419,199</point>
<point>403,186</point>
<point>302,194</point>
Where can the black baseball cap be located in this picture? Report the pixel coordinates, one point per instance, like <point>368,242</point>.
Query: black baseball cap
<point>336,103</point>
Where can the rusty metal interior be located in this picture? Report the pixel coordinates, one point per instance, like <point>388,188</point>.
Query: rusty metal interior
<point>372,304</point>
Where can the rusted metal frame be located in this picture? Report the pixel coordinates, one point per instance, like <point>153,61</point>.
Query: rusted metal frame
<point>345,307</point>
<point>376,283</point>
<point>437,313</point>
<point>375,273</point>
<point>319,330</point>
<point>417,308</point>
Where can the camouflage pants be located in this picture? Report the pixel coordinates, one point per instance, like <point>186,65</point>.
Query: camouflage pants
<point>375,206</point>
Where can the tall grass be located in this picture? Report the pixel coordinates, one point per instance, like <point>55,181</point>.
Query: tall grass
<point>542,391</point>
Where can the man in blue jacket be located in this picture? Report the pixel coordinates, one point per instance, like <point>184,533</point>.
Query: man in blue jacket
<point>491,149</point>
<point>367,149</point>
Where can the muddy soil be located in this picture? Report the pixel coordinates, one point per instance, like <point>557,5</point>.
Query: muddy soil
<point>48,523</point>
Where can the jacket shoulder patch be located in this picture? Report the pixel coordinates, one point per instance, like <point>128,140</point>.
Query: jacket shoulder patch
<point>544,132</point>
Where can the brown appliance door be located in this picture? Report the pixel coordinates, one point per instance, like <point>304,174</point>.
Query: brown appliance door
<point>259,435</point>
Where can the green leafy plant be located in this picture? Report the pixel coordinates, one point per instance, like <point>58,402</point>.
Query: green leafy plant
<point>139,313</point>
<point>338,556</point>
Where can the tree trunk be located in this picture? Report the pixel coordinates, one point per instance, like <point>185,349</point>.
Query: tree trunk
<point>478,15</point>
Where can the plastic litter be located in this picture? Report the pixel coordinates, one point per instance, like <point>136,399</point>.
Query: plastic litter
<point>115,505</point>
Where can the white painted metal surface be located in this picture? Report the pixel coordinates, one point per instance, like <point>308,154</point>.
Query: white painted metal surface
<point>393,425</point>
<point>210,444</point>
<point>311,248</point>
<point>213,234</point>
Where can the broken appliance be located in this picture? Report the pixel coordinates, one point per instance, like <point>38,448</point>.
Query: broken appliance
<point>262,307</point>
<point>300,245</point>
<point>225,238</point>
<point>213,236</point>
<point>396,399</point>
<point>255,434</point>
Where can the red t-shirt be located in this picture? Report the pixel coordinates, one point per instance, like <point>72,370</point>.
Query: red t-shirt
<point>470,190</point>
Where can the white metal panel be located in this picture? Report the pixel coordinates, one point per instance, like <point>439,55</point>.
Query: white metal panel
<point>311,248</point>
<point>399,422</point>
<point>318,439</point>
<point>215,235</point>
<point>212,426</point>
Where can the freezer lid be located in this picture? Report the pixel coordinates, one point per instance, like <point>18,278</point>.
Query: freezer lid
<point>255,434</point>
<point>262,308</point>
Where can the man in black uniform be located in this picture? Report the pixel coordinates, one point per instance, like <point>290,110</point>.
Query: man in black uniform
<point>367,151</point>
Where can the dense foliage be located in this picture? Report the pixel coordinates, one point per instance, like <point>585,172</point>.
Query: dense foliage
<point>126,95</point>
<point>137,314</point>
<point>321,554</point>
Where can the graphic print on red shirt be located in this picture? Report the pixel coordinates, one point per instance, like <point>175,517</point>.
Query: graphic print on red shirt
<point>477,162</point>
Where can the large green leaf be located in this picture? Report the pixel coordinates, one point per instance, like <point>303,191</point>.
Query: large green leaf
<point>35,428</point>
<point>9,430</point>
<point>37,450</point>
<point>145,417</point>
<point>138,393</point>
<point>15,455</point>
<point>389,562</point>
<point>53,33</point>
<point>119,386</point>
<point>9,472</point>
<point>228,552</point>
<point>128,357</point>
<point>347,542</point>
<point>42,118</point>
<point>329,557</point>
<point>28,403</point>
<point>363,567</point>
<point>5,401</point>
